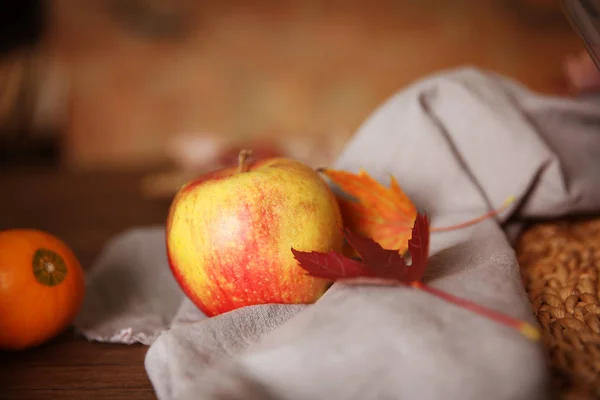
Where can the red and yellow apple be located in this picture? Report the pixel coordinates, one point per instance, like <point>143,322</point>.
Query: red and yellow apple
<point>230,234</point>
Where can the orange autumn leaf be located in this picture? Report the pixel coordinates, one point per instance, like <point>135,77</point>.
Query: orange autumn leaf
<point>384,214</point>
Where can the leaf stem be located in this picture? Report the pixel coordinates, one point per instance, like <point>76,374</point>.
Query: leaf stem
<point>526,329</point>
<point>475,220</point>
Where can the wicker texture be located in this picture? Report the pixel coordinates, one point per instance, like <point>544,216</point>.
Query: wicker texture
<point>560,265</point>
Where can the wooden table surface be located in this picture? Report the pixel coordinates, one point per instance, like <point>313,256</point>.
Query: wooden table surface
<point>85,210</point>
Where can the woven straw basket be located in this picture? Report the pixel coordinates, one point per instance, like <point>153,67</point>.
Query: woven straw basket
<point>560,266</point>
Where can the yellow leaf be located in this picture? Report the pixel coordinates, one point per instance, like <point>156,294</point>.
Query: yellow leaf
<point>386,215</point>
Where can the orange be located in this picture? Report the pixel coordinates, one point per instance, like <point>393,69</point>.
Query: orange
<point>41,288</point>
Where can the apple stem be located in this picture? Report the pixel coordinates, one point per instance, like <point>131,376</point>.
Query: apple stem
<point>242,158</point>
<point>475,220</point>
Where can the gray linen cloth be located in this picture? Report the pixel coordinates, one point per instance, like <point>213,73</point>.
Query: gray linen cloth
<point>459,143</point>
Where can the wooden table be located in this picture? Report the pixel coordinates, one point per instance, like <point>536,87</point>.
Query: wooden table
<point>85,210</point>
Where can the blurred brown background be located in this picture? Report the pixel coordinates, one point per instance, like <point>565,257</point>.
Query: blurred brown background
<point>110,84</point>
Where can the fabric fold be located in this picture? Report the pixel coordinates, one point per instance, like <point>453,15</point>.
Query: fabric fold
<point>131,295</point>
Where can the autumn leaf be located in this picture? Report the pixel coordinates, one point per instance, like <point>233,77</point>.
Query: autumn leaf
<point>377,262</point>
<point>383,266</point>
<point>331,266</point>
<point>385,215</point>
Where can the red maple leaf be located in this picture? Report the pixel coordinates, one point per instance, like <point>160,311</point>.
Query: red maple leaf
<point>389,266</point>
<point>377,262</point>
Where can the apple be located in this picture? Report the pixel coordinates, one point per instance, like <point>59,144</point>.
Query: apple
<point>230,233</point>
